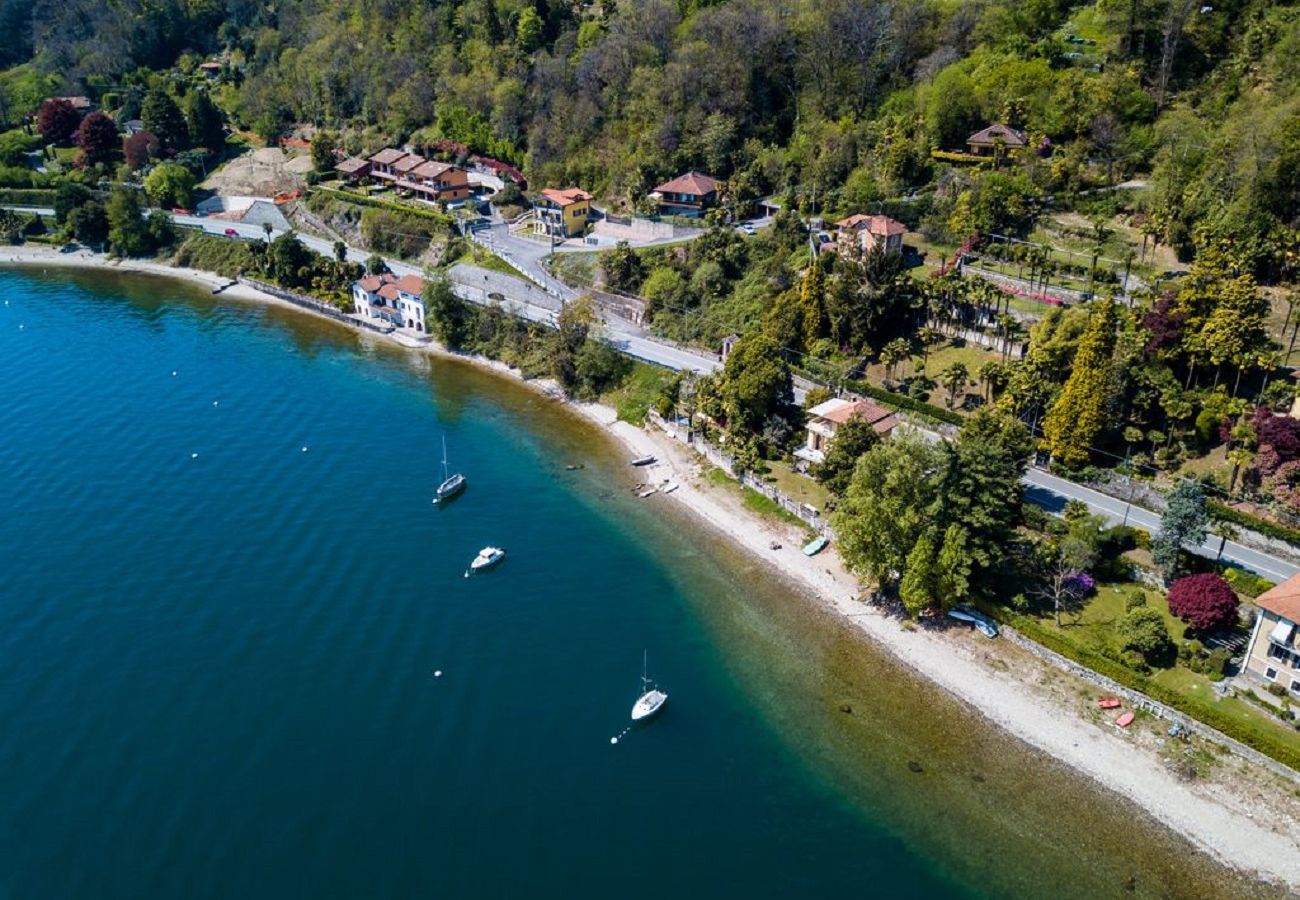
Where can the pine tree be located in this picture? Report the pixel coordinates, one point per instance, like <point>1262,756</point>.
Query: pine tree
<point>812,305</point>
<point>1077,416</point>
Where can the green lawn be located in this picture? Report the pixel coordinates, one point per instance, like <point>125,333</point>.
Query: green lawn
<point>1092,630</point>
<point>752,499</point>
<point>638,392</point>
<point>797,487</point>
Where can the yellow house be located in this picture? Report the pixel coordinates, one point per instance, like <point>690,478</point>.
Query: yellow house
<point>561,213</point>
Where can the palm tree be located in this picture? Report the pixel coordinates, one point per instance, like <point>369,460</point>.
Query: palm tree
<point>954,378</point>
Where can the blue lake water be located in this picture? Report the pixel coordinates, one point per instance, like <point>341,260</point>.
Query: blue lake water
<point>216,673</point>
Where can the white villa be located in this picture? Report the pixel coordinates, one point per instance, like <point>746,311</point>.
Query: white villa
<point>825,419</point>
<point>398,301</point>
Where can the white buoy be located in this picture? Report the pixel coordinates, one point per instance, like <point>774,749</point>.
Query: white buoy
<point>173,373</point>
<point>214,402</point>
<point>304,449</point>
<point>194,456</point>
<point>437,673</point>
<point>613,740</point>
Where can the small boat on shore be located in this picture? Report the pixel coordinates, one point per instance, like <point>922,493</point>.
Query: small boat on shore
<point>670,487</point>
<point>451,484</point>
<point>488,556</point>
<point>982,623</point>
<point>651,700</point>
<point>1125,719</point>
<point>815,546</point>
<point>643,460</point>
<point>647,492</point>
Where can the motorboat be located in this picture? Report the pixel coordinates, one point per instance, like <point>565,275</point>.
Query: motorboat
<point>451,484</point>
<point>651,700</point>
<point>488,556</point>
<point>644,460</point>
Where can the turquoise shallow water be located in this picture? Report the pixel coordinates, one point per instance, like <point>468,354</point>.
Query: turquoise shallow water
<point>216,674</point>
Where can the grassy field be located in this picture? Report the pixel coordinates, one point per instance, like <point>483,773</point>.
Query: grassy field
<point>1093,630</point>
<point>639,391</point>
<point>797,487</point>
<point>752,499</point>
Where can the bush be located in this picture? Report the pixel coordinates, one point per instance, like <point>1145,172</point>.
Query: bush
<point>1205,602</point>
<point>1246,583</point>
<point>1134,599</point>
<point>1143,632</point>
<point>1224,513</point>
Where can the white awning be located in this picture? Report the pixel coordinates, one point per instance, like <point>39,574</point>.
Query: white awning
<point>1281,633</point>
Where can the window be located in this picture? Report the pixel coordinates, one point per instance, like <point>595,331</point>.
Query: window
<point>1270,673</point>
<point>1295,685</point>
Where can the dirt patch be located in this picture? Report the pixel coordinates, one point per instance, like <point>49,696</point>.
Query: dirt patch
<point>260,173</point>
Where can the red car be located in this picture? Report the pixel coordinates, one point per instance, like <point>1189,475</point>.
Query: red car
<point>230,232</point>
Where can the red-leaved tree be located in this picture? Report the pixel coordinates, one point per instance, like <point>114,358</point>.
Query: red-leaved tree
<point>97,137</point>
<point>57,119</point>
<point>139,148</point>
<point>1205,602</point>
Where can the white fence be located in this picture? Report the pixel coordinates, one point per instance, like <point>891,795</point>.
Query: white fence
<point>809,515</point>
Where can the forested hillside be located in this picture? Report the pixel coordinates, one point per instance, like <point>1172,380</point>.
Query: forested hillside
<point>841,100</point>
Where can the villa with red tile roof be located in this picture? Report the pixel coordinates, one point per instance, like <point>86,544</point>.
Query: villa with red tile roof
<point>398,301</point>
<point>687,195</point>
<point>825,419</point>
<point>1273,656</point>
<point>561,213</point>
<point>869,232</point>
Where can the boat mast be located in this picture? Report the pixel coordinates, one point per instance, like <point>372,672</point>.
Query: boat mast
<point>444,458</point>
<point>644,680</point>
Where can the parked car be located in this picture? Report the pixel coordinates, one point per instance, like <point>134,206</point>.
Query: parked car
<point>230,232</point>
<point>748,228</point>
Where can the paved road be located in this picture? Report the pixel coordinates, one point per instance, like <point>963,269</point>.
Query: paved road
<point>1051,493</point>
<point>1043,488</point>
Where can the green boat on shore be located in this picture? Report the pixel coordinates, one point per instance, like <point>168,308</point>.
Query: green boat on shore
<point>815,546</point>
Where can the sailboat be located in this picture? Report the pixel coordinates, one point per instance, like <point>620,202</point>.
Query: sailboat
<point>651,700</point>
<point>451,484</point>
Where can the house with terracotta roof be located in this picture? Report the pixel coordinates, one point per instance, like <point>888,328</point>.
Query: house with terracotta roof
<point>687,195</point>
<point>381,164</point>
<point>397,301</point>
<point>1273,655</point>
<point>561,213</point>
<point>996,140</point>
<point>353,169</point>
<point>825,419</point>
<point>869,232</point>
<point>433,180</point>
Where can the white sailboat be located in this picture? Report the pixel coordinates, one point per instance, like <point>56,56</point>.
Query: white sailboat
<point>651,700</point>
<point>451,484</point>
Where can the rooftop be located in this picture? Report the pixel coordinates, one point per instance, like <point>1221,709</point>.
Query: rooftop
<point>878,225</point>
<point>431,169</point>
<point>1009,136</point>
<point>1282,600</point>
<point>352,165</point>
<point>408,162</point>
<point>387,156</point>
<point>388,284</point>
<point>690,183</point>
<point>565,197</point>
<point>839,411</point>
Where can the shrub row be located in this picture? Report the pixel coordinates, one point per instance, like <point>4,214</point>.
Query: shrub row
<point>1225,513</point>
<point>360,200</point>
<point>1206,713</point>
<point>27,196</point>
<point>906,403</point>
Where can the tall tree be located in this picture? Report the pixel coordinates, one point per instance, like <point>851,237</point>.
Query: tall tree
<point>128,233</point>
<point>887,506</point>
<point>756,383</point>
<point>1185,520</point>
<point>980,487</point>
<point>203,123</point>
<point>449,319</point>
<point>163,118</point>
<point>57,120</point>
<point>97,137</point>
<point>1079,413</point>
